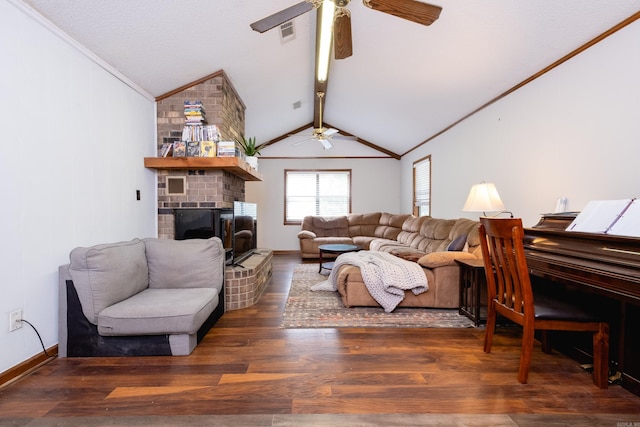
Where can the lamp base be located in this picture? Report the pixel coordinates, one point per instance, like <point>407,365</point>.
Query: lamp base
<point>501,212</point>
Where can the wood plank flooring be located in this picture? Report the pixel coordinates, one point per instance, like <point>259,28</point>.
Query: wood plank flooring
<point>248,365</point>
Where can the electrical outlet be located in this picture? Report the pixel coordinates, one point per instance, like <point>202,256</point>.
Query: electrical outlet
<point>15,320</point>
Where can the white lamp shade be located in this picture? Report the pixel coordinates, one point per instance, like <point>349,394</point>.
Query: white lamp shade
<point>483,197</point>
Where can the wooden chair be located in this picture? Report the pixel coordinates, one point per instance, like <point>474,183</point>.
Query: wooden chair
<point>510,295</point>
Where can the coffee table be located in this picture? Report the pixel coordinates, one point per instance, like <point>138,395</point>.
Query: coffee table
<point>334,249</point>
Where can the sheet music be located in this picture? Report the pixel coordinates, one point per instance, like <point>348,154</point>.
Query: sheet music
<point>599,216</point>
<point>629,222</point>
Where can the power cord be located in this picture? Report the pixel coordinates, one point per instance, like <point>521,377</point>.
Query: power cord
<point>39,337</point>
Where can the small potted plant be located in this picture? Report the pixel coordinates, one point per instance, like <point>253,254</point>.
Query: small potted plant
<point>251,150</point>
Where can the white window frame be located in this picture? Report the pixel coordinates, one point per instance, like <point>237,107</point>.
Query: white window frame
<point>422,186</point>
<point>314,194</point>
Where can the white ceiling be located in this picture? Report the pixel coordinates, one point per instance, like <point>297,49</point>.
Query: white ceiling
<point>404,83</point>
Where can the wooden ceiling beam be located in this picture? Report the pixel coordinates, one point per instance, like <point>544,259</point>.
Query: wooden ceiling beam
<point>319,86</point>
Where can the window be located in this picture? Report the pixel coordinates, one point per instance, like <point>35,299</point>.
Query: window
<point>422,187</point>
<point>314,192</point>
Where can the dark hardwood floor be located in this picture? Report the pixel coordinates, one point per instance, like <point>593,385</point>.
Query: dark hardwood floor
<point>248,365</point>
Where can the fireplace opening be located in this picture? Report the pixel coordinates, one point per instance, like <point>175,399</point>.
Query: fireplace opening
<point>236,227</point>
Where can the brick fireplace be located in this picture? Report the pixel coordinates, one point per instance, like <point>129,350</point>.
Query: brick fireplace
<point>202,189</point>
<point>208,187</point>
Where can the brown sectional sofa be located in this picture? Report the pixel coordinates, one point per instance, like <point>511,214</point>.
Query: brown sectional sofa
<point>425,240</point>
<point>353,229</point>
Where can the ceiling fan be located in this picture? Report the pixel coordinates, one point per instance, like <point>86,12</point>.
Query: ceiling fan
<point>412,10</point>
<point>322,134</point>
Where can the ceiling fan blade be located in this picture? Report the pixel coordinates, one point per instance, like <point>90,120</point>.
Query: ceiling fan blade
<point>326,143</point>
<point>342,44</point>
<point>302,141</point>
<point>412,10</point>
<point>281,17</point>
<point>329,132</point>
<point>345,137</point>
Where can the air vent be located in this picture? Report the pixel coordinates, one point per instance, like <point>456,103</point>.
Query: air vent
<point>297,105</point>
<point>287,32</point>
<point>176,185</point>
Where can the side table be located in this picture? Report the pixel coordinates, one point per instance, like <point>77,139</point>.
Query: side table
<point>334,249</point>
<point>473,290</point>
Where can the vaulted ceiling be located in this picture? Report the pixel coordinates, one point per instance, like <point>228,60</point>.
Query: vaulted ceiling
<point>403,84</point>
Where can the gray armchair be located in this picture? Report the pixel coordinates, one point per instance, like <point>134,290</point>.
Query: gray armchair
<point>141,297</point>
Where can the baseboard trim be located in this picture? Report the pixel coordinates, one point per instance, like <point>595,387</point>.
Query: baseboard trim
<point>27,367</point>
<point>294,252</point>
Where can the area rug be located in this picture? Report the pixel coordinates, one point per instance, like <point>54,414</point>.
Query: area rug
<point>322,309</point>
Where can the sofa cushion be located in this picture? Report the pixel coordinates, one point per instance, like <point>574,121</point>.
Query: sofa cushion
<point>159,311</point>
<point>458,243</point>
<point>441,259</point>
<point>363,224</point>
<point>387,245</point>
<point>437,229</point>
<point>434,235</point>
<point>410,234</point>
<point>470,228</point>
<point>327,226</point>
<point>107,274</point>
<point>364,242</point>
<point>391,225</point>
<point>192,263</point>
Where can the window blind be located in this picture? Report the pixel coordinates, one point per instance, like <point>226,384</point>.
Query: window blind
<point>326,193</point>
<point>422,185</point>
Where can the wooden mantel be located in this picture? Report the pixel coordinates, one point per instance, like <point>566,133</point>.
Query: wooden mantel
<point>233,165</point>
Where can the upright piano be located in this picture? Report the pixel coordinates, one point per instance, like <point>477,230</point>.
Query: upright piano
<point>598,271</point>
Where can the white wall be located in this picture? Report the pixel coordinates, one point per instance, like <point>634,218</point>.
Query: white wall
<point>574,132</point>
<point>374,185</point>
<point>74,138</point>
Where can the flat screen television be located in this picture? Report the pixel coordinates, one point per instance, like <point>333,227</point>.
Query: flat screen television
<point>245,221</point>
<point>206,223</point>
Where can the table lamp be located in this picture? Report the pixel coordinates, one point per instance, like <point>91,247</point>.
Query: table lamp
<point>484,198</point>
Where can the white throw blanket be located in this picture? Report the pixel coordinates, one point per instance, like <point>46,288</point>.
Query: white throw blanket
<point>386,276</point>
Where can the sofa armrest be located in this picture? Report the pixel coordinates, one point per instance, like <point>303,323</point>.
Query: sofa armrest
<point>441,259</point>
<point>306,234</point>
<point>407,255</point>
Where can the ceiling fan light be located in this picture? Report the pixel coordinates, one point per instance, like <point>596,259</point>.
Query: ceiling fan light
<point>324,50</point>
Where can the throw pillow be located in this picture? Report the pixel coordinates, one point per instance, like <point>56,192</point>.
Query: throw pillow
<point>458,243</point>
